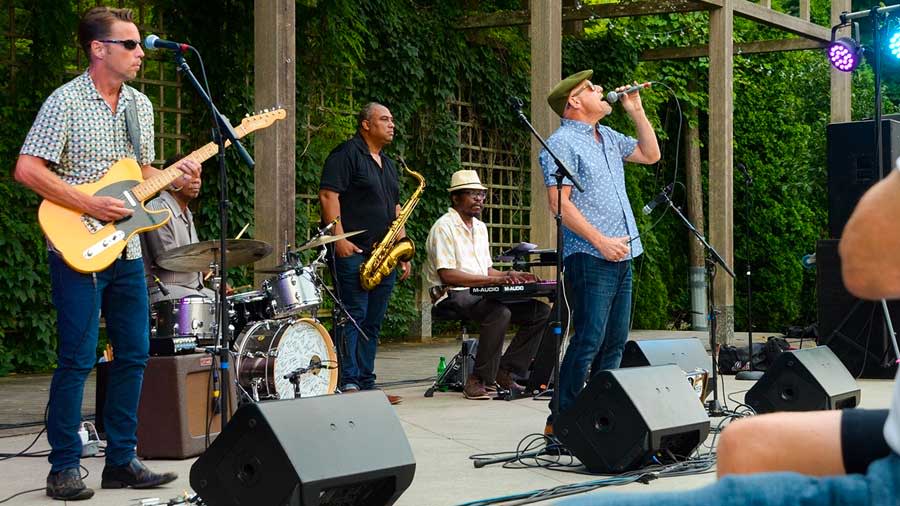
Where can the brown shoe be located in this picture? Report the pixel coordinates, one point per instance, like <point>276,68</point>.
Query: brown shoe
<point>548,429</point>
<point>393,399</point>
<point>475,389</point>
<point>506,382</point>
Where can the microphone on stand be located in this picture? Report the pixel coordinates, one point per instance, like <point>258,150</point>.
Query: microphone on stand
<point>614,96</point>
<point>659,199</point>
<point>162,286</point>
<point>330,226</point>
<point>154,42</point>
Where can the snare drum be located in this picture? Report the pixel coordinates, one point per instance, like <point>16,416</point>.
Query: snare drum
<point>292,291</point>
<point>269,350</point>
<point>187,317</point>
<point>247,307</point>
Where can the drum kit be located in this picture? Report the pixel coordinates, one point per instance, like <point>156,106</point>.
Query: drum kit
<point>277,351</point>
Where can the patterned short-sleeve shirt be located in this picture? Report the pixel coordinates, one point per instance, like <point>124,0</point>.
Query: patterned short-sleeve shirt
<point>600,167</point>
<point>81,137</point>
<point>452,245</point>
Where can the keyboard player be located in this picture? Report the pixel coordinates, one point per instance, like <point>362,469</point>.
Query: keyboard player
<point>459,257</point>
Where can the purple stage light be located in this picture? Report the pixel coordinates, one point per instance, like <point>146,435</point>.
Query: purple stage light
<point>844,54</point>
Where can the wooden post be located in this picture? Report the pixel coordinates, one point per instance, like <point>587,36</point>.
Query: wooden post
<point>696,255</point>
<point>721,127</point>
<point>840,81</point>
<point>275,86</point>
<point>546,70</point>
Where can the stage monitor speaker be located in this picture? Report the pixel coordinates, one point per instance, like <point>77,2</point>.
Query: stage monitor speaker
<point>317,451</point>
<point>176,407</point>
<point>853,328</point>
<point>687,353</point>
<point>851,165</point>
<point>804,380</point>
<point>625,417</point>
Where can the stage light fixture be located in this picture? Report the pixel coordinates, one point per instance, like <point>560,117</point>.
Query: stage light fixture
<point>894,45</point>
<point>845,54</point>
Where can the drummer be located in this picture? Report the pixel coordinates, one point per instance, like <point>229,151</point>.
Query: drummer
<point>178,231</point>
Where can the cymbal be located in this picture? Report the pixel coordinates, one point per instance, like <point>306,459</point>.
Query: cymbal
<point>325,239</point>
<point>198,256</point>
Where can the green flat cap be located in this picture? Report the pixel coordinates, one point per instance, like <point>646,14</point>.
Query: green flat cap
<point>559,95</point>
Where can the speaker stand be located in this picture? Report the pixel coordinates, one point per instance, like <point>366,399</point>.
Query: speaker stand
<point>890,326</point>
<point>750,375</point>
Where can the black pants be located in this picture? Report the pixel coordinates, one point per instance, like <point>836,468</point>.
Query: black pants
<point>494,317</point>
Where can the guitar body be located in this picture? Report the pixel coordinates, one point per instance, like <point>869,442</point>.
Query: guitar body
<point>88,245</point>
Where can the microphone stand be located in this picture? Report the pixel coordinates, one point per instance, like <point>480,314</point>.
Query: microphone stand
<point>750,375</point>
<point>222,130</point>
<point>562,172</point>
<point>712,258</point>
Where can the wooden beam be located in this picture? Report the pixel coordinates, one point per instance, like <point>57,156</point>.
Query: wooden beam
<point>781,21</point>
<point>546,71</point>
<point>804,10</point>
<point>760,46</point>
<point>640,8</point>
<point>721,122</point>
<point>275,86</point>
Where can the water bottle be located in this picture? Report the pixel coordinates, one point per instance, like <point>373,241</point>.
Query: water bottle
<point>441,367</point>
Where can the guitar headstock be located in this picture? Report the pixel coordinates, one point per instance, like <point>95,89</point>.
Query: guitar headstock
<point>262,119</point>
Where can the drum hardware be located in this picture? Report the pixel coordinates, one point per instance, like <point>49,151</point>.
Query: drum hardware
<point>315,365</point>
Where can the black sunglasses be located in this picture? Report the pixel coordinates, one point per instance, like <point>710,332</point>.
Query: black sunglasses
<point>129,44</point>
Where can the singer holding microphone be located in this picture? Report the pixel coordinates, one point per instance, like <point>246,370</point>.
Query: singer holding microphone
<point>600,236</point>
<point>83,128</point>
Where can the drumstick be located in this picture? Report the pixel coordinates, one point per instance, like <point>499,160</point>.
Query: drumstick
<point>242,231</point>
<point>209,274</point>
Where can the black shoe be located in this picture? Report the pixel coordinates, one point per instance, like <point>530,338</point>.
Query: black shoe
<point>66,485</point>
<point>135,475</point>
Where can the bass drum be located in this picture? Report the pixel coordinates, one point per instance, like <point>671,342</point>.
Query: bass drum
<point>269,350</point>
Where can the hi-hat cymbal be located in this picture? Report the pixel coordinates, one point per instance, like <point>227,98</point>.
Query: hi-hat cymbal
<point>197,257</point>
<point>325,239</point>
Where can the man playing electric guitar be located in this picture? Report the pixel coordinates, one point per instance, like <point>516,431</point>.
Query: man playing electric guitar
<point>82,129</point>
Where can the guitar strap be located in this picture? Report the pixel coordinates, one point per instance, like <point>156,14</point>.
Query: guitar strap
<point>133,127</point>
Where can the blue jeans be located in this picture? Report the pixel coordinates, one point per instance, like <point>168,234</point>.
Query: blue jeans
<point>599,295</point>
<point>880,486</point>
<point>367,308</point>
<point>120,292</point>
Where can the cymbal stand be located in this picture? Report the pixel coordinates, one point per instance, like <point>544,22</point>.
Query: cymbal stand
<point>344,313</point>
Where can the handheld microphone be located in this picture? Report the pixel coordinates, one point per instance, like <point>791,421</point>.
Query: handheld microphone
<point>154,42</point>
<point>614,96</point>
<point>161,286</point>
<point>659,199</point>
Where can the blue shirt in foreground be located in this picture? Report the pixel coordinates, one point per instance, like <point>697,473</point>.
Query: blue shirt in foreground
<point>600,167</point>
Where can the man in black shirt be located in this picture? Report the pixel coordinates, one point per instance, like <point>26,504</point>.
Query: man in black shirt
<point>360,184</point>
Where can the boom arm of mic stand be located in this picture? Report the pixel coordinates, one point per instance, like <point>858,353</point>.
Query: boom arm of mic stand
<point>224,125</point>
<point>715,254</point>
<point>560,166</point>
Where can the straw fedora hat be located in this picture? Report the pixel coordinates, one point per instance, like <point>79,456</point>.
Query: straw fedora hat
<point>465,180</point>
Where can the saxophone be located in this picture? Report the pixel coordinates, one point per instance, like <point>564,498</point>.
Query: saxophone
<point>392,249</point>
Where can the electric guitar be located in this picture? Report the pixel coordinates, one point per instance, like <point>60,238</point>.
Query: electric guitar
<point>90,245</point>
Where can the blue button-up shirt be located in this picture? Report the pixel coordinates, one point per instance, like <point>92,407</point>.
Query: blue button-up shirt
<point>600,167</point>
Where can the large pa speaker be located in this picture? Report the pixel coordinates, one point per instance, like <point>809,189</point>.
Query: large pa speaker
<point>329,450</point>
<point>625,417</point>
<point>804,380</point>
<point>687,353</point>
<point>854,329</point>
<point>851,165</point>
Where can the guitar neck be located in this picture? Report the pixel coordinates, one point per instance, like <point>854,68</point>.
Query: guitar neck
<point>156,183</point>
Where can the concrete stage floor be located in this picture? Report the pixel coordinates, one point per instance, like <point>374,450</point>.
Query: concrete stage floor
<point>443,432</point>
